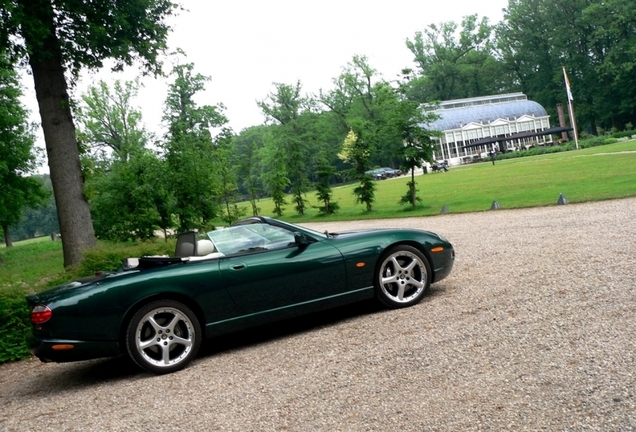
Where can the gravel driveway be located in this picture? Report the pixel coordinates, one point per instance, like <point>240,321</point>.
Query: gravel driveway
<point>534,330</point>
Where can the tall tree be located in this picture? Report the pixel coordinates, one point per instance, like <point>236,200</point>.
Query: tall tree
<point>131,200</point>
<point>189,149</point>
<point>275,178</point>
<point>288,109</point>
<point>613,42</point>
<point>63,37</point>
<point>324,192</point>
<point>17,153</point>
<point>356,151</point>
<point>374,120</point>
<point>248,145</point>
<point>454,63</point>
<point>227,170</point>
<point>358,80</point>
<point>108,122</point>
<point>127,196</point>
<point>417,146</point>
<point>595,41</point>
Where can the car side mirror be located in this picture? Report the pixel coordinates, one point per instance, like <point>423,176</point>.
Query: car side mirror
<point>130,263</point>
<point>300,239</point>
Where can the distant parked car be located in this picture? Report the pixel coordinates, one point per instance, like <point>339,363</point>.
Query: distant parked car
<point>383,173</point>
<point>390,172</point>
<point>439,166</point>
<point>377,174</point>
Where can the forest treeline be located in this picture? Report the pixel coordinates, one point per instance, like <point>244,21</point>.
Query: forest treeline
<point>195,174</point>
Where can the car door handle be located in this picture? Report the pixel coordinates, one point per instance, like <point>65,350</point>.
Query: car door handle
<point>237,266</point>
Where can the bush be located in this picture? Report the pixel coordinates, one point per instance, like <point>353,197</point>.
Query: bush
<point>627,133</point>
<point>595,142</point>
<point>14,326</point>
<point>108,256</point>
<point>570,145</point>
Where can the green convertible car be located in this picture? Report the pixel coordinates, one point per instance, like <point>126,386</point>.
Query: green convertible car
<point>158,309</point>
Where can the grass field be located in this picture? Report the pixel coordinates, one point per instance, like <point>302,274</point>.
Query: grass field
<point>591,174</point>
<point>30,262</point>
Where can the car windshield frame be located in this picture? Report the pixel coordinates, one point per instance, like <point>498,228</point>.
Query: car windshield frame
<point>251,238</point>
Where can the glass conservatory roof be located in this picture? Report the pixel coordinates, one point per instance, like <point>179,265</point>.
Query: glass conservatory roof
<point>458,113</point>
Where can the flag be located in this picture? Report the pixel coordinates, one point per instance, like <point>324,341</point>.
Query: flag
<point>567,86</point>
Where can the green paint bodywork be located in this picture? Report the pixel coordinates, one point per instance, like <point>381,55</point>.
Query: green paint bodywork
<point>227,293</point>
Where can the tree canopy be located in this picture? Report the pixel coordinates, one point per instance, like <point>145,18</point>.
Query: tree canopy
<point>594,39</point>
<point>189,149</point>
<point>63,37</point>
<point>454,62</point>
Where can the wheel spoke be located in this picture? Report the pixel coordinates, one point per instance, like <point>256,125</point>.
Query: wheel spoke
<point>149,343</point>
<point>410,266</point>
<point>181,341</point>
<point>166,354</point>
<point>176,319</point>
<point>154,324</point>
<point>396,264</point>
<point>416,283</point>
<point>389,279</point>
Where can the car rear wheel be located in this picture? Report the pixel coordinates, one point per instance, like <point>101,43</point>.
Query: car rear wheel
<point>163,336</point>
<point>403,277</point>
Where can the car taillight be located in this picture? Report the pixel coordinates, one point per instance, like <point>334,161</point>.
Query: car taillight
<point>41,314</point>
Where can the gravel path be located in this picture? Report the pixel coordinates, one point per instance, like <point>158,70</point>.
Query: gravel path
<point>534,330</point>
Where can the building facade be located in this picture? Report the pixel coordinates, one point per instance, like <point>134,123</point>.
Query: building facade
<point>472,128</point>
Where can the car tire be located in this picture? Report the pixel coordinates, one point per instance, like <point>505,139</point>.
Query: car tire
<point>163,336</point>
<point>402,277</point>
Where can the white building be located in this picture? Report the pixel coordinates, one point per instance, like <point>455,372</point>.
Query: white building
<point>473,127</point>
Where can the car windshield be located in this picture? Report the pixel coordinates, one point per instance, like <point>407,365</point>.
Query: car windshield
<point>250,238</point>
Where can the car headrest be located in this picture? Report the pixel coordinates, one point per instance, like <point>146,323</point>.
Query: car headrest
<point>204,247</point>
<point>186,244</point>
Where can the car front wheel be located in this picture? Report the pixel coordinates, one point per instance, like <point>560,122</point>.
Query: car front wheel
<point>163,336</point>
<point>403,277</point>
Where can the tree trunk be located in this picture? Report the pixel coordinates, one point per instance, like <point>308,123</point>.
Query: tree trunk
<point>7,236</point>
<point>413,196</point>
<point>76,225</point>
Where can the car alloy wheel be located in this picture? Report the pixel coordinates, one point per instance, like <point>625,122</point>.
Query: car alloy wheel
<point>403,277</point>
<point>163,336</point>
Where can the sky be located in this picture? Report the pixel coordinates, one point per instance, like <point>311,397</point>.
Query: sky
<point>245,46</point>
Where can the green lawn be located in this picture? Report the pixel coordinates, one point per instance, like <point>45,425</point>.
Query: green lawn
<point>29,264</point>
<point>597,173</point>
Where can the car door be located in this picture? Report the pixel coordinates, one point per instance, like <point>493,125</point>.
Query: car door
<point>285,277</point>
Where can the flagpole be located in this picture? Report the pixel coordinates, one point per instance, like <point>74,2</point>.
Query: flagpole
<point>576,136</point>
<point>570,108</point>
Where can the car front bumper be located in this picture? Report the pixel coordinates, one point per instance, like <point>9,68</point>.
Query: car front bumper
<point>444,266</point>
